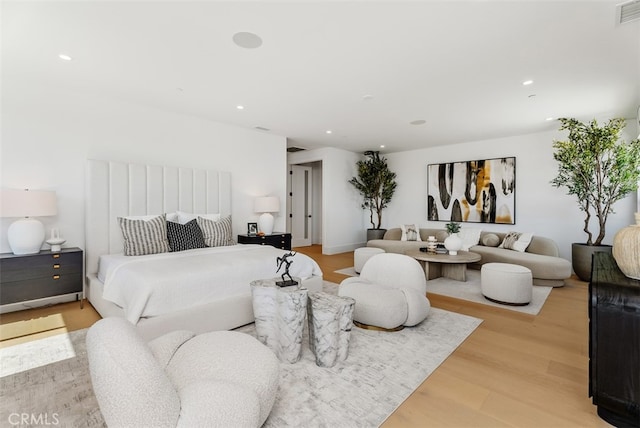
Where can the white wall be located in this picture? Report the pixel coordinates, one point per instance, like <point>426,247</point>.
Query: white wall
<point>48,133</point>
<point>540,207</point>
<point>343,228</point>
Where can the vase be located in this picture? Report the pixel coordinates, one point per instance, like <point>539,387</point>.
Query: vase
<point>453,243</point>
<point>626,249</point>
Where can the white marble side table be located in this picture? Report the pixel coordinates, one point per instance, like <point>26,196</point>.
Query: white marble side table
<point>330,324</point>
<point>279,314</point>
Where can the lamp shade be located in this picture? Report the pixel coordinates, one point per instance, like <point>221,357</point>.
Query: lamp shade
<point>267,204</point>
<point>27,203</point>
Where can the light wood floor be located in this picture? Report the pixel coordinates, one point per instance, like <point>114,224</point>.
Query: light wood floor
<point>515,370</point>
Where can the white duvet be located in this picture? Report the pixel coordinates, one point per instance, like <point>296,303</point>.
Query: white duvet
<point>152,285</point>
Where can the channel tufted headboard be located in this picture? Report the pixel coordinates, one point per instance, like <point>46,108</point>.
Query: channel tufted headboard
<point>116,189</point>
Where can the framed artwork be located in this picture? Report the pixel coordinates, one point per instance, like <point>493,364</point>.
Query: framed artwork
<point>252,229</point>
<point>478,191</point>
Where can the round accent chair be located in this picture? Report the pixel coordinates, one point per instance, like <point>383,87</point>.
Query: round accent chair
<point>390,293</point>
<point>220,378</point>
<point>506,283</point>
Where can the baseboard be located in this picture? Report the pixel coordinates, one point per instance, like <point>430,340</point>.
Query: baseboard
<point>341,248</point>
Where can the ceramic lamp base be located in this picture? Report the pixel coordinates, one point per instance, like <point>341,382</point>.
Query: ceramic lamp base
<point>26,236</point>
<point>265,223</point>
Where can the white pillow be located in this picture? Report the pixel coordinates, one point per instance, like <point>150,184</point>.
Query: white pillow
<point>516,241</point>
<point>184,217</point>
<point>172,217</point>
<point>470,237</point>
<point>410,232</point>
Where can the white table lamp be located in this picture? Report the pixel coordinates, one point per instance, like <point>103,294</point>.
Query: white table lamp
<point>266,205</point>
<point>26,235</point>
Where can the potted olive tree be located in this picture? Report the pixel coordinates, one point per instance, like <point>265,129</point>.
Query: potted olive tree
<point>376,183</point>
<point>599,169</point>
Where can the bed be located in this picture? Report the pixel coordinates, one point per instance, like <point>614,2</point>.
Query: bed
<point>179,296</point>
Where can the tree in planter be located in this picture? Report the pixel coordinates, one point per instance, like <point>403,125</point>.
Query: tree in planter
<point>596,167</point>
<point>376,183</point>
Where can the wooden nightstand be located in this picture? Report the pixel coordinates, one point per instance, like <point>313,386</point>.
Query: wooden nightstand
<point>276,239</point>
<point>36,276</point>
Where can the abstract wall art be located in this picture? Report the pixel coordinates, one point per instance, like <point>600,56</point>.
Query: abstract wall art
<point>479,191</point>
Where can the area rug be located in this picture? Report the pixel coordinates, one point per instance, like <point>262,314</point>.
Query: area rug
<point>382,370</point>
<point>347,271</point>
<point>470,290</point>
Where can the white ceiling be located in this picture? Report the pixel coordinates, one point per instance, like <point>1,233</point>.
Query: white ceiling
<point>457,65</point>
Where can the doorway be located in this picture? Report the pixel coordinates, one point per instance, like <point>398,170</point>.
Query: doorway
<point>305,203</point>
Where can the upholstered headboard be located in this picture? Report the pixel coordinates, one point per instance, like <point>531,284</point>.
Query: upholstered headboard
<point>116,189</point>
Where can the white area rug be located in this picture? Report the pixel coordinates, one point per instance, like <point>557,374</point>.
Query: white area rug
<point>382,370</point>
<point>347,271</point>
<point>470,290</point>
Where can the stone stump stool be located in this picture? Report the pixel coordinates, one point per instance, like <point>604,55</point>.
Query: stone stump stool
<point>279,314</point>
<point>330,324</point>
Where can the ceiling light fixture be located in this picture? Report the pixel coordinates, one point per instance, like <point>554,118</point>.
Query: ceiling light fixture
<point>418,122</point>
<point>549,119</point>
<point>367,98</point>
<point>240,107</point>
<point>329,131</point>
<point>382,146</point>
<point>64,57</point>
<point>527,82</point>
<point>247,40</point>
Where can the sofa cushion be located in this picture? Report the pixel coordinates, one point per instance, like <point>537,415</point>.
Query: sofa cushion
<point>410,232</point>
<point>470,237</point>
<point>516,241</point>
<point>490,240</point>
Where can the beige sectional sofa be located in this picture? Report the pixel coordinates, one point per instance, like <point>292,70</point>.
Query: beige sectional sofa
<point>541,256</point>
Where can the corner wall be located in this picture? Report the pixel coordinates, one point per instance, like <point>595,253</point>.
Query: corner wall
<point>48,133</point>
<point>540,207</point>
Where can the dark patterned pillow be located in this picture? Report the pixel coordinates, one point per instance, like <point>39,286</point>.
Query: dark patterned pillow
<point>216,233</point>
<point>184,236</point>
<point>144,236</point>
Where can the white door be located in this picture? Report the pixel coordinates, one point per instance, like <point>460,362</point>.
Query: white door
<point>301,205</point>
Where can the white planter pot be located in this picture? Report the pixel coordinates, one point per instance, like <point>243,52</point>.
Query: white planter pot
<point>453,243</point>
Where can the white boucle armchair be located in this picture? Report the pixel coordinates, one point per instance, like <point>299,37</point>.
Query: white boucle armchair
<point>390,293</point>
<point>216,379</point>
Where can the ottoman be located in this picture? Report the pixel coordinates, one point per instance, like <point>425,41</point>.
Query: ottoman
<point>361,255</point>
<point>506,283</point>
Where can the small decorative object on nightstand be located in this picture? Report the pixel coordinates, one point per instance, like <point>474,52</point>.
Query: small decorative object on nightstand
<point>55,241</point>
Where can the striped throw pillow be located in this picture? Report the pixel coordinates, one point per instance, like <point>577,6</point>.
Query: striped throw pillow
<point>216,233</point>
<point>143,237</point>
<point>184,236</point>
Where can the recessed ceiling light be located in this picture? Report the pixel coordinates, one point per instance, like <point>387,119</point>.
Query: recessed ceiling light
<point>247,40</point>
<point>382,146</point>
<point>367,98</point>
<point>240,107</point>
<point>418,122</point>
<point>527,82</point>
<point>549,118</point>
<point>328,131</point>
<point>64,57</point>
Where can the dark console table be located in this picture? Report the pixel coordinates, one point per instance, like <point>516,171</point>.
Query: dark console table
<point>276,239</point>
<point>614,343</point>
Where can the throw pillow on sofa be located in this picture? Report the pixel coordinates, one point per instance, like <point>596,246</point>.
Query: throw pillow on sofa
<point>490,240</point>
<point>470,237</point>
<point>517,241</point>
<point>410,232</point>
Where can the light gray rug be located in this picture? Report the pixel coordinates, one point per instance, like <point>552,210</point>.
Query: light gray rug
<point>382,370</point>
<point>470,290</point>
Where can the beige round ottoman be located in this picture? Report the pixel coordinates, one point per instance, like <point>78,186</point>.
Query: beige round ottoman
<point>361,255</point>
<point>506,283</point>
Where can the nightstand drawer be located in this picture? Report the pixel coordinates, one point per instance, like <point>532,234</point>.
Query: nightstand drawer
<point>40,266</point>
<point>56,284</point>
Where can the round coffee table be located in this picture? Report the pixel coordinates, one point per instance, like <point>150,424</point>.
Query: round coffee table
<point>444,265</point>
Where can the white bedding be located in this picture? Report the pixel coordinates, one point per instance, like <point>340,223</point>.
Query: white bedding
<point>152,285</point>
